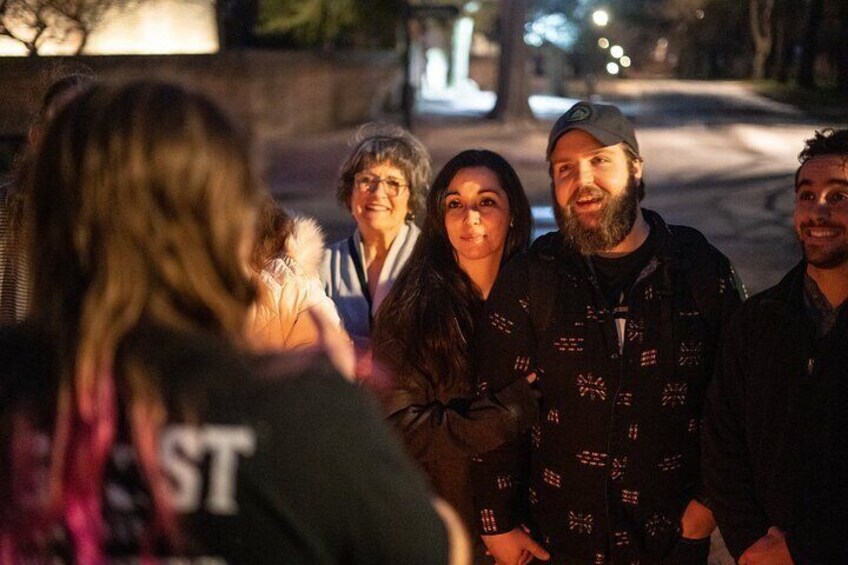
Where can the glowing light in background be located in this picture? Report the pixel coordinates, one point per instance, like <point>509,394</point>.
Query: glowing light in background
<point>624,61</point>
<point>600,18</point>
<point>603,43</point>
<point>553,28</point>
<point>612,68</point>
<point>159,27</point>
<point>617,51</point>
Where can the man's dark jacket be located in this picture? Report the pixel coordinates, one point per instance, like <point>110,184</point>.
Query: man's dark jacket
<point>775,450</point>
<point>608,471</point>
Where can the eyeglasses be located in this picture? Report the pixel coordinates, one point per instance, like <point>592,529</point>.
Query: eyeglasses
<point>370,183</point>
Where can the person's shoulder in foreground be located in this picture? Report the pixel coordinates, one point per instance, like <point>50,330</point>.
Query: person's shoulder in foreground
<point>273,458</point>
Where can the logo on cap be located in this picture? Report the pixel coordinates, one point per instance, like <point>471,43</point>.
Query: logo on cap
<point>577,114</point>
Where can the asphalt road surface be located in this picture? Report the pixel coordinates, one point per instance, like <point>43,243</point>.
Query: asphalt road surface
<point>717,157</point>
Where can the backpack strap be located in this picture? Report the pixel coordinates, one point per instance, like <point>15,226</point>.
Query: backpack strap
<point>698,260</point>
<point>544,284</point>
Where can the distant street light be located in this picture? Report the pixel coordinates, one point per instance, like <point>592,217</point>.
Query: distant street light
<point>612,68</point>
<point>617,51</point>
<point>624,61</point>
<point>603,43</point>
<point>600,18</point>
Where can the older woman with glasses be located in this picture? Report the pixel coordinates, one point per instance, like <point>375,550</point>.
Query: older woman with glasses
<point>383,182</point>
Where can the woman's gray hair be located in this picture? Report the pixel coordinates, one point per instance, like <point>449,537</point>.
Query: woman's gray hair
<point>376,143</point>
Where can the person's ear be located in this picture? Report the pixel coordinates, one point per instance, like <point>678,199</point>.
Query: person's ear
<point>636,168</point>
<point>34,135</point>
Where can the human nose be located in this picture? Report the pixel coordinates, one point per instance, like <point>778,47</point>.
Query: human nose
<point>821,207</point>
<point>585,173</point>
<point>472,216</point>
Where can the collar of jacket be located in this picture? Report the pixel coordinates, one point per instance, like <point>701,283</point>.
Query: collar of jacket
<point>790,289</point>
<point>789,292</point>
<point>668,254</point>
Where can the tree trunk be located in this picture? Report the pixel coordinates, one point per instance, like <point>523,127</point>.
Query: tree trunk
<point>236,21</point>
<point>782,32</point>
<point>810,49</point>
<point>760,12</point>
<point>786,39</point>
<point>513,90</point>
<point>83,42</point>
<point>842,63</point>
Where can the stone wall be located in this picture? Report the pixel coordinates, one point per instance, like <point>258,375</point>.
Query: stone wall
<point>273,93</point>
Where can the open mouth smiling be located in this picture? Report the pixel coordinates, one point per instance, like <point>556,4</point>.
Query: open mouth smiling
<point>822,233</point>
<point>588,200</point>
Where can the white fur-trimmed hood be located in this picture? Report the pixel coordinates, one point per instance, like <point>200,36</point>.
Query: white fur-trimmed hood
<point>306,244</point>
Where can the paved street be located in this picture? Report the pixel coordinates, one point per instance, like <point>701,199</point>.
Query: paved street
<point>717,158</point>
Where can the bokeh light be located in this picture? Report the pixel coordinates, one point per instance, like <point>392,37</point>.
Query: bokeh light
<point>600,18</point>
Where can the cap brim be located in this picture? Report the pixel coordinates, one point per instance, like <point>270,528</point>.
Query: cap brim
<point>604,137</point>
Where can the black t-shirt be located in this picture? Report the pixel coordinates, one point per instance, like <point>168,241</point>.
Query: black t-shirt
<point>269,460</point>
<point>617,275</point>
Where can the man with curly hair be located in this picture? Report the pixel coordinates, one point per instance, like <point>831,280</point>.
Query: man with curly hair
<point>775,440</point>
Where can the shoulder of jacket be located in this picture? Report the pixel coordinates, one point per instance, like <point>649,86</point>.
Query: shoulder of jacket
<point>685,235</point>
<point>305,245</point>
<point>546,247</point>
<point>694,245</point>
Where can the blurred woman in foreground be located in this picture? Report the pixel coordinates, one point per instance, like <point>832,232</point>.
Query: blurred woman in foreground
<point>477,218</point>
<point>131,424</point>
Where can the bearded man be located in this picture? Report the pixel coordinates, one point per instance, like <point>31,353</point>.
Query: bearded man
<point>618,313</point>
<point>775,424</point>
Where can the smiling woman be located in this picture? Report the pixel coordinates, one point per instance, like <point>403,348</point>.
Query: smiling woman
<point>477,218</point>
<point>383,183</point>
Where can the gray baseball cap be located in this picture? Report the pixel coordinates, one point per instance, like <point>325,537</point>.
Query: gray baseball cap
<point>604,122</point>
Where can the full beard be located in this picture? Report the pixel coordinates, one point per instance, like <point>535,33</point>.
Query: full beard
<point>822,258</point>
<point>617,218</point>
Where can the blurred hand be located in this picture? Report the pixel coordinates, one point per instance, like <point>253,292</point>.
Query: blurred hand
<point>697,521</point>
<point>515,547</point>
<point>460,542</point>
<point>531,378</point>
<point>335,342</point>
<point>770,549</point>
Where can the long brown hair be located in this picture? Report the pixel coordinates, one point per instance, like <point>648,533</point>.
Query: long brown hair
<point>429,315</point>
<point>143,201</point>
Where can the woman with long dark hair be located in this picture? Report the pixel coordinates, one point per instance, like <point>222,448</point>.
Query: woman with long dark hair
<point>477,218</point>
<point>133,424</point>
